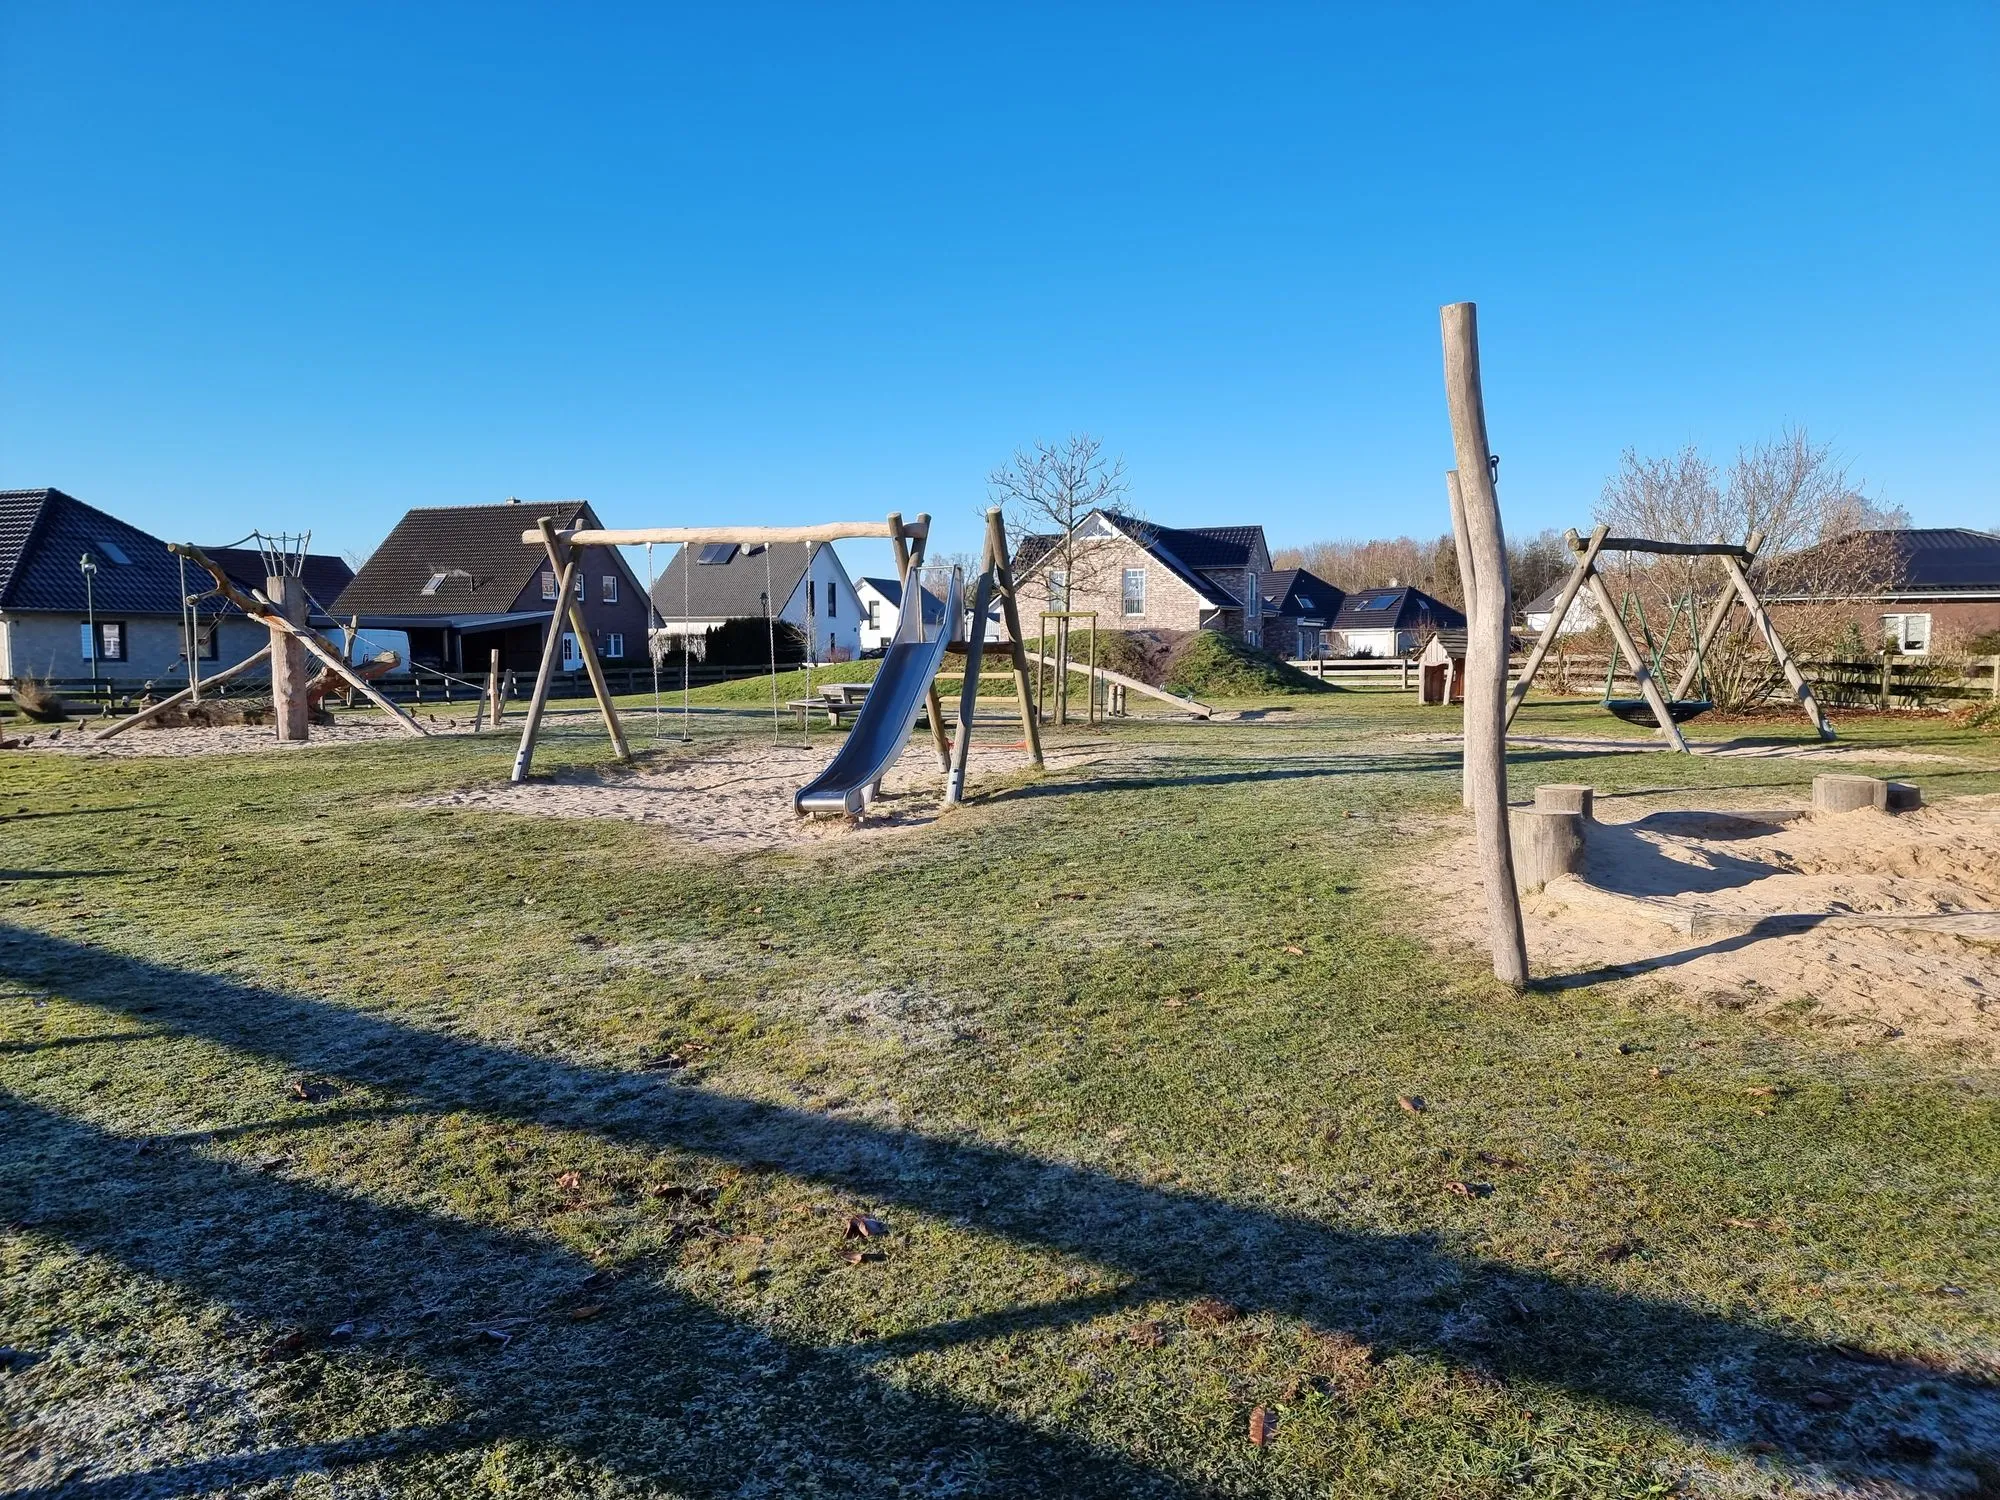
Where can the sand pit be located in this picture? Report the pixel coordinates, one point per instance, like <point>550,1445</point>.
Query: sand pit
<point>740,796</point>
<point>1887,925</point>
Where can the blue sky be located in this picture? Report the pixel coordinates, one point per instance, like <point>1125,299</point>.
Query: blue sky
<point>311,265</point>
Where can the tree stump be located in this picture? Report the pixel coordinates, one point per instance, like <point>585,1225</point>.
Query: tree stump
<point>1844,794</point>
<point>1547,843</point>
<point>1564,796</point>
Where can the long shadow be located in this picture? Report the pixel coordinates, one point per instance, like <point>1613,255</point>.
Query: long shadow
<point>1694,1369</point>
<point>14,875</point>
<point>1112,779</point>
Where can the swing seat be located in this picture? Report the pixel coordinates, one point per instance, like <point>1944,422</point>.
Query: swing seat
<point>1639,711</point>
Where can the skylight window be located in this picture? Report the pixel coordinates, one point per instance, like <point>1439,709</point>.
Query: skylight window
<point>715,553</point>
<point>1380,601</point>
<point>436,582</point>
<point>114,552</point>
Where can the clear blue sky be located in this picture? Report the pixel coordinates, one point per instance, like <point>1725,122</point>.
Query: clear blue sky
<point>291,265</point>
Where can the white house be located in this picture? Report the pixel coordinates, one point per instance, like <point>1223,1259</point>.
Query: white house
<point>705,585</point>
<point>882,610</point>
<point>1581,617</point>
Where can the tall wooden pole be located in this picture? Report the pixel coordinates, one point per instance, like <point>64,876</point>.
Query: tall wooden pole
<point>968,692</point>
<point>907,563</point>
<point>524,756</point>
<point>1486,644</point>
<point>1010,616</point>
<point>580,628</point>
<point>1468,579</point>
<point>289,708</point>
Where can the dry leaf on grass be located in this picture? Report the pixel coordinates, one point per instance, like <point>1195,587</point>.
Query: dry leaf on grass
<point>586,1312</point>
<point>863,1227</point>
<point>1295,950</point>
<point>864,1257</point>
<point>1414,1103</point>
<point>1211,1312</point>
<point>570,1182</point>
<point>1262,1425</point>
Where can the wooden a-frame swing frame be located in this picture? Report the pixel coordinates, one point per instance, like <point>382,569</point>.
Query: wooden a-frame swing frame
<point>565,551</point>
<point>1736,568</point>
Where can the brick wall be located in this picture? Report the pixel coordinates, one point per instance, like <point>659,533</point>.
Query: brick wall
<point>1170,603</point>
<point>1951,619</point>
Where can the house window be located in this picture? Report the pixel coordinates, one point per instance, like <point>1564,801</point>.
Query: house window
<point>208,642</point>
<point>614,646</point>
<point>580,592</point>
<point>874,614</point>
<point>1909,634</point>
<point>1135,591</point>
<point>1253,611</point>
<point>1308,642</point>
<point>1058,588</point>
<point>812,597</point>
<point>112,552</point>
<point>832,600</point>
<point>610,589</point>
<point>109,644</point>
<point>548,584</point>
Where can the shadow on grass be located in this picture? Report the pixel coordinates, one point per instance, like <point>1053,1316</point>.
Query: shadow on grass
<point>666,1387</point>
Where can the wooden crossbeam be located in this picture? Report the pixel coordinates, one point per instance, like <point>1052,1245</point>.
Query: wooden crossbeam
<point>748,536</point>
<point>1675,549</point>
<point>1586,565</point>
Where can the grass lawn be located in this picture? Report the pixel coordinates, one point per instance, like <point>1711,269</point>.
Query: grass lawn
<point>351,1148</point>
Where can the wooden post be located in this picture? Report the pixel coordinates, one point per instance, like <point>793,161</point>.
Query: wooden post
<point>1486,648</point>
<point>1801,689</point>
<point>493,684</point>
<point>1547,843</point>
<point>1712,626</point>
<point>570,605</point>
<point>1840,794</point>
<point>968,692</point>
<point>190,692</point>
<point>545,675</point>
<point>907,562</point>
<point>1010,617</point>
<point>289,710</point>
<point>1567,796</point>
<point>1649,687</point>
<point>1586,564</point>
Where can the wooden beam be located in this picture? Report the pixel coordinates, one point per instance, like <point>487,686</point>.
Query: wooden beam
<point>908,560</point>
<point>154,710</point>
<point>968,693</point>
<point>1801,689</point>
<point>1649,687</point>
<point>1486,641</point>
<point>1674,549</point>
<point>586,648</point>
<point>551,649</point>
<point>1712,626</point>
<point>747,536</point>
<point>1105,674</point>
<point>1586,564</point>
<point>1010,615</point>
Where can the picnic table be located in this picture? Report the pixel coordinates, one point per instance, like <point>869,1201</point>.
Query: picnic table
<point>837,700</point>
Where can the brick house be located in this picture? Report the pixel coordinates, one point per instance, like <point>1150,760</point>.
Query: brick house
<point>1946,588</point>
<point>460,582</point>
<point>127,626</point>
<point>1139,575</point>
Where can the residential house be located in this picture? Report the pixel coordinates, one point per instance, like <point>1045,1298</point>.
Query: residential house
<point>1141,576</point>
<point>1392,621</point>
<point>722,581</point>
<point>120,618</point>
<point>1300,608</point>
<point>1582,613</point>
<point>1945,586</point>
<point>882,611</point>
<point>325,578</point>
<point>460,582</point>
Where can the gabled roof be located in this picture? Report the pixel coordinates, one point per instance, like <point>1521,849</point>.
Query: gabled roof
<point>1402,608</point>
<point>1942,559</point>
<point>478,549</point>
<point>732,584</point>
<point>1297,594</point>
<point>1187,552</point>
<point>325,575</point>
<point>890,589</point>
<point>43,537</point>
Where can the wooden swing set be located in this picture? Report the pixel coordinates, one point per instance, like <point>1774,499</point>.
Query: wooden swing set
<point>1666,711</point>
<point>565,549</point>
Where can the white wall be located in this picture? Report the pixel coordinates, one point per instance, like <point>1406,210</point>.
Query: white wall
<point>839,628</point>
<point>1375,642</point>
<point>886,613</point>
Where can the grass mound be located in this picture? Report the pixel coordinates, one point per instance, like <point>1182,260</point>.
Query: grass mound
<point>791,683</point>
<point>1133,653</point>
<point>1208,664</point>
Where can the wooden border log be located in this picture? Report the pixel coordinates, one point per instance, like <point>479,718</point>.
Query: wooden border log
<point>154,710</point>
<point>1486,647</point>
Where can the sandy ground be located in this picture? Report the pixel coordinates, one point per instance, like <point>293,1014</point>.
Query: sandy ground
<point>1747,749</point>
<point>220,739</point>
<point>1889,925</point>
<point>740,797</point>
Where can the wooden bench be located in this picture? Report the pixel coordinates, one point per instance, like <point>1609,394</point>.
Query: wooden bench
<point>832,705</point>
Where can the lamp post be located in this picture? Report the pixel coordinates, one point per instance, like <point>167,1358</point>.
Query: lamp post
<point>87,566</point>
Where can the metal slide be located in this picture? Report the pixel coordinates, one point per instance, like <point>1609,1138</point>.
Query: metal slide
<point>883,726</point>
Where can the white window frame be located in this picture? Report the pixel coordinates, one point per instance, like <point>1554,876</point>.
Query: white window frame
<point>1253,609</point>
<point>1896,632</point>
<point>610,588</point>
<point>614,646</point>
<point>548,583</point>
<point>582,587</point>
<point>1128,596</point>
<point>874,614</point>
<point>1058,588</point>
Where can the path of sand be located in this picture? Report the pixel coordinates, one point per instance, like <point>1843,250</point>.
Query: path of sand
<point>1746,749</point>
<point>1888,924</point>
<point>215,739</point>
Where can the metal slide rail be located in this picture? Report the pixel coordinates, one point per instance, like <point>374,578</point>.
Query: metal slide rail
<point>882,729</point>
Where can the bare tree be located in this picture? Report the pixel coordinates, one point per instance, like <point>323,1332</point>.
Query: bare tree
<point>1050,489</point>
<point>1823,549</point>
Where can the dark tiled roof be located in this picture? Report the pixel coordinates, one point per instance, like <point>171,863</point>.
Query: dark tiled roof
<point>1402,608</point>
<point>1168,545</point>
<point>1945,559</point>
<point>325,575</point>
<point>1298,594</point>
<point>733,589</point>
<point>1031,551</point>
<point>889,588</point>
<point>479,547</point>
<point>43,536</point>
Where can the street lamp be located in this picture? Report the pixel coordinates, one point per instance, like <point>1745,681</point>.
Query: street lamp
<point>87,566</point>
